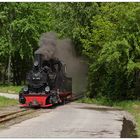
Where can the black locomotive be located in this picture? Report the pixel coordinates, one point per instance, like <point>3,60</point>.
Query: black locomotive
<point>47,84</point>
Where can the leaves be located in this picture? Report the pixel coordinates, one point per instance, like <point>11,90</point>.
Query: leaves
<point>21,26</point>
<point>108,34</point>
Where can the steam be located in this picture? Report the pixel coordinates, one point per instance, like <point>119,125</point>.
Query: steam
<point>51,47</point>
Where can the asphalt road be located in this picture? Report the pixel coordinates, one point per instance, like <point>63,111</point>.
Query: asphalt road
<point>71,120</point>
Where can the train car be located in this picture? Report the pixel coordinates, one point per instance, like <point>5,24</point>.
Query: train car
<point>47,84</point>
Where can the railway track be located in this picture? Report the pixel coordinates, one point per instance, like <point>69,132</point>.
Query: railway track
<point>15,114</point>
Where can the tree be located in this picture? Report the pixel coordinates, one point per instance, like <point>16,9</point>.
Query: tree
<point>21,26</point>
<point>114,50</point>
<point>108,34</point>
<point>73,20</point>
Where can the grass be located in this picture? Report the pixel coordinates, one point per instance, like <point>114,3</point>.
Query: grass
<point>10,89</point>
<point>133,107</point>
<point>7,102</point>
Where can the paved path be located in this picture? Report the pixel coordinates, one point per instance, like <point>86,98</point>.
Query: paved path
<point>71,120</point>
<point>9,95</point>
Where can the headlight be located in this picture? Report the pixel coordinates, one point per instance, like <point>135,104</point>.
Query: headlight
<point>47,89</point>
<point>25,89</point>
<point>22,100</point>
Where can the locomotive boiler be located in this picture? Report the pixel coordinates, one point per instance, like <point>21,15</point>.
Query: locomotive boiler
<point>47,84</point>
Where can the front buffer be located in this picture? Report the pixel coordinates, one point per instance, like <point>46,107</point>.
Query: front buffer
<point>44,100</point>
<point>35,101</point>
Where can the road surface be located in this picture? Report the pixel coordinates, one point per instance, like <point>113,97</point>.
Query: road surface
<point>71,120</point>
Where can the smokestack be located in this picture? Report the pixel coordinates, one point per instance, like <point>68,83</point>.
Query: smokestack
<point>37,58</point>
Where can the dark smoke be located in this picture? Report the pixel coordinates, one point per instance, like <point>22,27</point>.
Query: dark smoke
<point>47,45</point>
<point>76,66</point>
<point>51,47</point>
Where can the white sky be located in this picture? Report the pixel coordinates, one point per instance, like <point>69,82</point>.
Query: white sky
<point>69,0</point>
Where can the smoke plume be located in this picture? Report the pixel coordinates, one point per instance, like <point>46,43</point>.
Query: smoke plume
<point>47,45</point>
<point>51,47</point>
<point>76,66</point>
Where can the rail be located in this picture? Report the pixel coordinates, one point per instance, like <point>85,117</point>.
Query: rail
<point>12,115</point>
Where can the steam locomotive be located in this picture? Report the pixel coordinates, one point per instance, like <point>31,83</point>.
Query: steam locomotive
<point>47,84</point>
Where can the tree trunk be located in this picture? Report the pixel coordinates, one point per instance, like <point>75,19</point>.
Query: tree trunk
<point>4,74</point>
<point>9,69</point>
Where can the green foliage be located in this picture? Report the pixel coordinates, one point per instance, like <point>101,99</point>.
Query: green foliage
<point>115,64</point>
<point>98,101</point>
<point>21,26</point>
<point>7,102</point>
<point>108,34</point>
<point>73,20</point>
<point>10,89</point>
